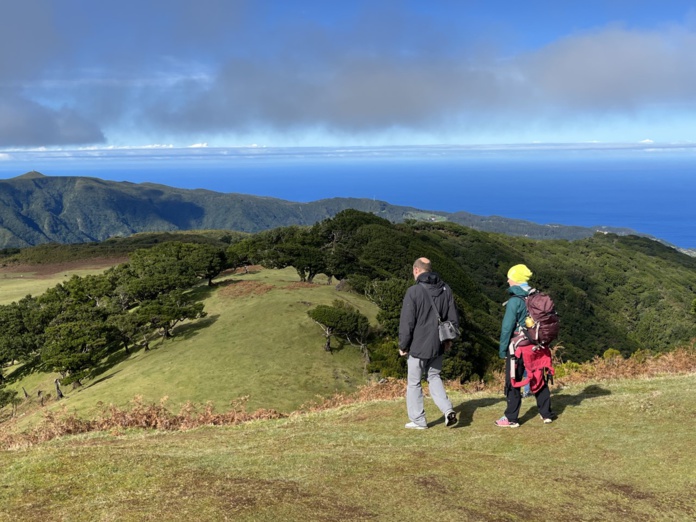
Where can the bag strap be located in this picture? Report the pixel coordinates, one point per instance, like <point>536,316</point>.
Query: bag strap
<point>432,302</point>
<point>524,298</point>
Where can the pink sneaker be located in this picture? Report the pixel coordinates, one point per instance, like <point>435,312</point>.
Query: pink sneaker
<point>504,423</point>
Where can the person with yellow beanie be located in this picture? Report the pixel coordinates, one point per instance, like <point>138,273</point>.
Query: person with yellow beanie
<point>511,332</point>
<point>519,274</point>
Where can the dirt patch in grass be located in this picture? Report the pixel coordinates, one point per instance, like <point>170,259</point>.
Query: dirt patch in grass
<point>244,495</point>
<point>300,286</point>
<point>245,289</point>
<point>630,499</point>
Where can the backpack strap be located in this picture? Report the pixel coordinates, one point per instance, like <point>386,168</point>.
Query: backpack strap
<point>432,302</point>
<point>518,326</point>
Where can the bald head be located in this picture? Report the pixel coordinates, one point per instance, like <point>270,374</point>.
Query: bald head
<point>423,264</point>
<point>420,266</point>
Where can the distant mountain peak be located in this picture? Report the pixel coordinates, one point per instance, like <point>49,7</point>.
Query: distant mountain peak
<point>31,175</point>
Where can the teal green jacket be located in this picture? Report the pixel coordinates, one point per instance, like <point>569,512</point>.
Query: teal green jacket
<point>515,313</point>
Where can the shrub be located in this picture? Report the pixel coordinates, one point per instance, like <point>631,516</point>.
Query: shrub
<point>565,369</point>
<point>642,356</point>
<point>611,353</point>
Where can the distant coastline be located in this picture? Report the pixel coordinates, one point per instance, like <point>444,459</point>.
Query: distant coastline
<point>622,187</point>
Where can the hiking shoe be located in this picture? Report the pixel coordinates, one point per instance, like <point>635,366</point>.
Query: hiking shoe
<point>504,423</point>
<point>450,419</point>
<point>414,426</point>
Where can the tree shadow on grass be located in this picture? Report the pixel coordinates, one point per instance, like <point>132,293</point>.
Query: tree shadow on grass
<point>190,330</point>
<point>22,371</point>
<point>560,402</point>
<point>115,358</point>
<point>94,383</point>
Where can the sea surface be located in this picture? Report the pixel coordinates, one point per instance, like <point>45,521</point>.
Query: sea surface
<point>650,193</point>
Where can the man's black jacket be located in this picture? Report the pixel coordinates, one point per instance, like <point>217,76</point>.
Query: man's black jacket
<point>418,332</point>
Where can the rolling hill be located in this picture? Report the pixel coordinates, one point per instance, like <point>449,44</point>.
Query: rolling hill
<point>229,354</point>
<point>37,209</point>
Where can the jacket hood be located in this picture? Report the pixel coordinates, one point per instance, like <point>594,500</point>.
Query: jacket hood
<point>431,278</point>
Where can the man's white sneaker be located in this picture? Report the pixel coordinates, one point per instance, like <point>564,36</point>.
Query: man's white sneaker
<point>414,426</point>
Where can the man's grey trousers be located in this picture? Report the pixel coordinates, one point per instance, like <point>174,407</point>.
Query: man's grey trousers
<point>414,391</point>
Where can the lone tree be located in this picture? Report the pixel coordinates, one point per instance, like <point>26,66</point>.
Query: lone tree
<point>344,321</point>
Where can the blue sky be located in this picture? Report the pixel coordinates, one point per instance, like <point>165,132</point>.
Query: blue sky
<point>98,74</point>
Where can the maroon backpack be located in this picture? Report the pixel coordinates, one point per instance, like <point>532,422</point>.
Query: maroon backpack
<point>541,325</point>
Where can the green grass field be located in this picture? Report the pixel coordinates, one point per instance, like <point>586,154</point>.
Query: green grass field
<point>16,285</point>
<point>621,450</point>
<point>256,341</point>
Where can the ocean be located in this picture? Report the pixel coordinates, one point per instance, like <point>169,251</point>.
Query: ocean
<point>650,193</point>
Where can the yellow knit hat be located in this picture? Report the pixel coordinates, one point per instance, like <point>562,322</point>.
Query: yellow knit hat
<point>519,273</point>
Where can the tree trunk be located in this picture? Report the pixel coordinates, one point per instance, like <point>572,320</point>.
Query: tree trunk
<point>327,346</point>
<point>366,353</point>
<point>59,394</point>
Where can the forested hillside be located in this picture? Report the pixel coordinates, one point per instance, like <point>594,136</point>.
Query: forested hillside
<point>628,294</point>
<point>37,209</point>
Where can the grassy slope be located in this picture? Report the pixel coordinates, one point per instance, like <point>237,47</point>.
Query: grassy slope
<point>620,450</point>
<point>16,285</point>
<point>259,345</point>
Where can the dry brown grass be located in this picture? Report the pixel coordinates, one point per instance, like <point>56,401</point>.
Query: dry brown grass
<point>300,286</point>
<point>156,416</point>
<point>140,415</point>
<point>640,364</point>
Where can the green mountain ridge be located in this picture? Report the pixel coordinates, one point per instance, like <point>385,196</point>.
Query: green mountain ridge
<point>37,209</point>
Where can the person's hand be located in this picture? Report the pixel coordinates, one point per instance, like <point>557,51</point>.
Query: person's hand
<point>402,353</point>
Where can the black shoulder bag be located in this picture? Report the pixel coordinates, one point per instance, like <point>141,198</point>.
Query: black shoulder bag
<point>445,329</point>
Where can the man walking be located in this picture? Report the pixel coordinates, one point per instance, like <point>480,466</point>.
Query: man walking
<point>420,341</point>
